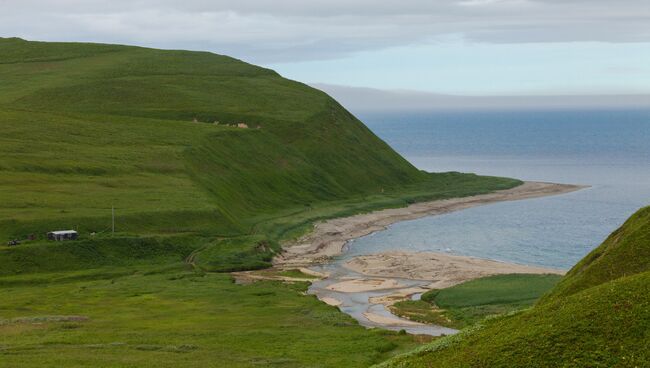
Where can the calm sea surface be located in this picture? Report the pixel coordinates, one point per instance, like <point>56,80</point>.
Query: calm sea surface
<point>608,150</point>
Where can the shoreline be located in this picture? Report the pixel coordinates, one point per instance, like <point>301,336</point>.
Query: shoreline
<point>328,238</point>
<point>366,286</point>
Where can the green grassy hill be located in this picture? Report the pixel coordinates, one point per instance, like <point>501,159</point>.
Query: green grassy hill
<point>88,126</point>
<point>597,316</point>
<point>153,133</point>
<point>625,252</point>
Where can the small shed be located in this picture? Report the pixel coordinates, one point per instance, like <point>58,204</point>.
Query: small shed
<point>61,235</point>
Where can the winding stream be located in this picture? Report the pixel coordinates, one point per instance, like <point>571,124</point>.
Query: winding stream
<point>356,304</point>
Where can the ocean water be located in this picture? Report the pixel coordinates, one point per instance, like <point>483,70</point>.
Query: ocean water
<point>607,150</point>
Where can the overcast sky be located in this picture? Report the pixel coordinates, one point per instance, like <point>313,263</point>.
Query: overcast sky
<point>465,47</point>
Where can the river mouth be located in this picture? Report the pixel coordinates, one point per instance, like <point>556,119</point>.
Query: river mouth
<point>364,285</point>
<point>359,306</point>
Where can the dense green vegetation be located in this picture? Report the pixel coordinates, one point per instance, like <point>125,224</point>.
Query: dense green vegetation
<point>155,134</point>
<point>152,317</point>
<point>597,316</point>
<point>467,303</point>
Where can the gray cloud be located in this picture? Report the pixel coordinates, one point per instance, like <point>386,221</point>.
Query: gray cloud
<point>358,99</point>
<point>274,31</point>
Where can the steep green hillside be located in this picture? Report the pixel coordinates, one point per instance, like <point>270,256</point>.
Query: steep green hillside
<point>88,126</point>
<point>597,316</point>
<point>625,252</point>
<point>154,134</point>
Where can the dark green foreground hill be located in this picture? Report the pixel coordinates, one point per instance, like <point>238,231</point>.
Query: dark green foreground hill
<point>210,163</point>
<point>597,316</point>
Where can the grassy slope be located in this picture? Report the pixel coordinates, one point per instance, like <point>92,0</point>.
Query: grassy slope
<point>149,317</point>
<point>625,252</point>
<point>117,128</point>
<point>467,303</point>
<point>87,127</point>
<point>597,316</point>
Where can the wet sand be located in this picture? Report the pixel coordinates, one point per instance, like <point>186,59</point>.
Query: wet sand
<point>370,306</point>
<point>362,284</point>
<point>331,301</point>
<point>365,287</point>
<point>389,321</point>
<point>443,270</point>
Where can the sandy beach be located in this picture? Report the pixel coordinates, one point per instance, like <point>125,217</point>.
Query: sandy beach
<point>359,285</point>
<point>443,270</point>
<point>388,321</point>
<point>365,286</point>
<point>329,237</point>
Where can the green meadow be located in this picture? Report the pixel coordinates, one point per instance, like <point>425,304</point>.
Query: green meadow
<point>172,316</point>
<point>468,303</point>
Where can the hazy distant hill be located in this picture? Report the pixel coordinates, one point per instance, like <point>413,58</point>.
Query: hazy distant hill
<point>359,99</point>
